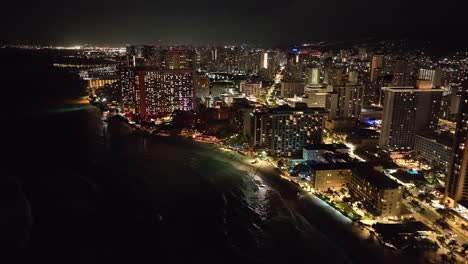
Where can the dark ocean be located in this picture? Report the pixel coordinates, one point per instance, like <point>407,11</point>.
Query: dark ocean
<point>76,189</point>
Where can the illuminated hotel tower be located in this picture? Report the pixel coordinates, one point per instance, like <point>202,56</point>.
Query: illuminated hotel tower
<point>456,187</point>
<point>164,91</point>
<point>408,110</point>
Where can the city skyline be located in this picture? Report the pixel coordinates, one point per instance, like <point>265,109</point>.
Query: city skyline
<point>301,131</point>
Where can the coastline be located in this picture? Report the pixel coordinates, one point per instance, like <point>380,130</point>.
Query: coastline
<point>340,229</point>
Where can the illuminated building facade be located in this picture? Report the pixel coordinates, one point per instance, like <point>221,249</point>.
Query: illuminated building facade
<point>436,149</point>
<point>407,110</point>
<point>398,70</point>
<point>149,91</point>
<point>127,85</point>
<point>377,63</point>
<point>250,61</point>
<point>284,131</point>
<point>457,181</point>
<point>334,176</point>
<point>313,76</point>
<point>164,91</point>
<point>269,63</point>
<point>345,101</point>
<point>334,76</point>
<point>433,75</point>
<point>201,84</point>
<point>176,59</point>
<point>381,195</point>
<point>94,84</point>
<point>292,88</point>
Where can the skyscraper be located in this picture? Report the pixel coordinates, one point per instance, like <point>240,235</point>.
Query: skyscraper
<point>292,88</point>
<point>334,76</point>
<point>284,131</point>
<point>377,63</point>
<point>345,101</point>
<point>126,79</point>
<point>149,91</point>
<point>269,63</point>
<point>406,111</point>
<point>176,59</point>
<point>214,53</point>
<point>398,70</point>
<point>201,85</point>
<point>164,91</point>
<point>313,76</point>
<point>456,187</point>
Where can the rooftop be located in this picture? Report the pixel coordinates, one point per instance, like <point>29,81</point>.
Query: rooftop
<point>286,109</point>
<point>407,89</point>
<point>332,166</point>
<point>445,139</point>
<point>330,147</point>
<point>376,178</point>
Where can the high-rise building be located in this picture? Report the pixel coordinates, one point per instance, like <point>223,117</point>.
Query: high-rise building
<point>313,76</point>
<point>214,53</point>
<point>264,60</point>
<point>344,54</point>
<point>454,100</point>
<point>201,84</point>
<point>407,110</point>
<point>353,77</point>
<point>293,72</point>
<point>316,97</point>
<point>284,131</point>
<point>269,63</point>
<point>334,76</point>
<point>345,101</point>
<point>292,88</point>
<point>381,195</point>
<point>144,55</point>
<point>149,91</point>
<point>330,176</point>
<point>433,75</point>
<point>398,71</point>
<point>377,63</point>
<point>126,80</point>
<point>456,186</point>
<point>176,59</point>
<point>434,148</point>
<point>250,61</point>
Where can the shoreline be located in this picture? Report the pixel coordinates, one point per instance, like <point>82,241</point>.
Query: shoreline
<point>337,228</point>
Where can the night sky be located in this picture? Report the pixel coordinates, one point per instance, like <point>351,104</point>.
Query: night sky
<point>269,23</point>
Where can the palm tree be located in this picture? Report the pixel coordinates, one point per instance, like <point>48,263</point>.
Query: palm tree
<point>343,191</point>
<point>452,243</point>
